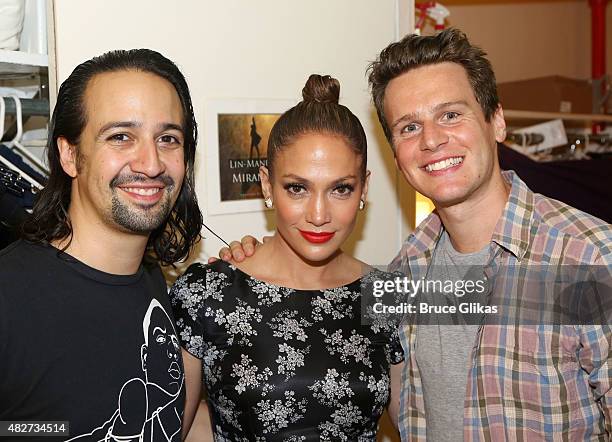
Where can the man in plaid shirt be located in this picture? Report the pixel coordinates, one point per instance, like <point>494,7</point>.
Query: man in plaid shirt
<point>436,99</point>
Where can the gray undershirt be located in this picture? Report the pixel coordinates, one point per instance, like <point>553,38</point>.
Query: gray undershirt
<point>443,351</point>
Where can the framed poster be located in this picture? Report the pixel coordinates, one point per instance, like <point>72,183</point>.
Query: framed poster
<point>236,146</point>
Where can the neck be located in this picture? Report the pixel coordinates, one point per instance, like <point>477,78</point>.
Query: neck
<point>296,272</point>
<point>103,248</point>
<point>471,223</point>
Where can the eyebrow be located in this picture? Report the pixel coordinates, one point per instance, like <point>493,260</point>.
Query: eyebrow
<point>344,178</point>
<point>136,124</point>
<point>305,181</point>
<point>436,108</point>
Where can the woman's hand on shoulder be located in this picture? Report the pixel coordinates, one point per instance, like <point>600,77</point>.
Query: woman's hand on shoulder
<point>238,251</point>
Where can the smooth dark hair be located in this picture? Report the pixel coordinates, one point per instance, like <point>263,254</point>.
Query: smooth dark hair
<point>319,111</point>
<point>50,221</point>
<point>413,51</point>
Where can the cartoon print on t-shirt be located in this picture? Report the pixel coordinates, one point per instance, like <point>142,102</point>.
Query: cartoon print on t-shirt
<point>148,408</point>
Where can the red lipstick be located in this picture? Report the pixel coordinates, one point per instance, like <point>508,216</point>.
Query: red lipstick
<point>317,237</point>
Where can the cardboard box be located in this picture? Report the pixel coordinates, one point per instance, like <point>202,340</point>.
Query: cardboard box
<point>547,94</point>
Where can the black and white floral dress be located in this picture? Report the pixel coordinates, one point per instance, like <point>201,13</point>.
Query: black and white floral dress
<point>281,364</point>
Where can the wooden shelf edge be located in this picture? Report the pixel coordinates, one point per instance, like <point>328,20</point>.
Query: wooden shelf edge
<point>534,115</point>
<point>23,58</point>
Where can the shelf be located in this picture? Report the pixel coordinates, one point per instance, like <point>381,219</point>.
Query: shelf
<point>18,57</point>
<point>17,62</point>
<point>534,115</point>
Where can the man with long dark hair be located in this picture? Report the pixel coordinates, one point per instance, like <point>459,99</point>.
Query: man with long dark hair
<point>76,289</point>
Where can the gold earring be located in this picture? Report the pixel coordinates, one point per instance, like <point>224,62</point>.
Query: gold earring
<point>361,204</point>
<point>268,202</point>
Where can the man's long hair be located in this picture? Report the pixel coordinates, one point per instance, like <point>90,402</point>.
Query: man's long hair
<point>172,241</point>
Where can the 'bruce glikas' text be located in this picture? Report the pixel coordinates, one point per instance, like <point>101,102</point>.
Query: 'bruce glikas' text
<point>404,288</point>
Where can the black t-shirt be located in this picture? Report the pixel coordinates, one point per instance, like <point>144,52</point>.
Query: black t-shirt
<point>88,347</point>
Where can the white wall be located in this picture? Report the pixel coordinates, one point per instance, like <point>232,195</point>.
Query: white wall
<point>256,49</point>
<point>529,40</point>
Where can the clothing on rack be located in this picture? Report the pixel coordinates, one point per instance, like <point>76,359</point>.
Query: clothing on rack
<point>583,184</point>
<point>18,161</point>
<point>16,197</point>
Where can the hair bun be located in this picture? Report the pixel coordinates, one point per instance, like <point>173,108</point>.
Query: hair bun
<point>321,89</point>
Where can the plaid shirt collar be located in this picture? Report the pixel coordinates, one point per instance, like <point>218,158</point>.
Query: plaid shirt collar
<point>513,230</point>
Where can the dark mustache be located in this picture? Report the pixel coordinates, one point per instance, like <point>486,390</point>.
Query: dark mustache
<point>120,180</point>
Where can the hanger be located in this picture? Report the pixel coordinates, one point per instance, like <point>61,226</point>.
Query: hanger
<point>15,143</point>
<point>6,162</point>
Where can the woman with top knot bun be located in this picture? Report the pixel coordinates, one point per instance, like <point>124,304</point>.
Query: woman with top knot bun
<point>278,340</point>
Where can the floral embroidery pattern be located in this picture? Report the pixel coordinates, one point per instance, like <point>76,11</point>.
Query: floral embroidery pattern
<point>333,303</point>
<point>210,363</point>
<point>379,387</point>
<point>332,389</point>
<point>285,365</point>
<point>237,322</point>
<point>287,327</point>
<point>247,374</point>
<point>355,347</point>
<point>345,416</point>
<point>278,414</point>
<point>228,411</point>
<point>268,294</point>
<point>292,359</point>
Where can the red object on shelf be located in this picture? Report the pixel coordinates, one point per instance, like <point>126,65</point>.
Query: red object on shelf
<point>598,44</point>
<point>434,10</point>
<point>598,37</point>
<point>423,7</point>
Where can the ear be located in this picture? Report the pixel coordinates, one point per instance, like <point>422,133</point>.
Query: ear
<point>266,186</point>
<point>68,156</point>
<point>366,183</point>
<point>499,124</point>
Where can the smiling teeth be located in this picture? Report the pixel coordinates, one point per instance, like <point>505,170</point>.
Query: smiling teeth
<point>445,164</point>
<point>143,192</point>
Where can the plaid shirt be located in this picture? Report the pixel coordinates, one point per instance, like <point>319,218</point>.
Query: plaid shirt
<point>525,383</point>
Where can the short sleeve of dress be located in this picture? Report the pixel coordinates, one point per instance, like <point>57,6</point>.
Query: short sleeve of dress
<point>187,296</point>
